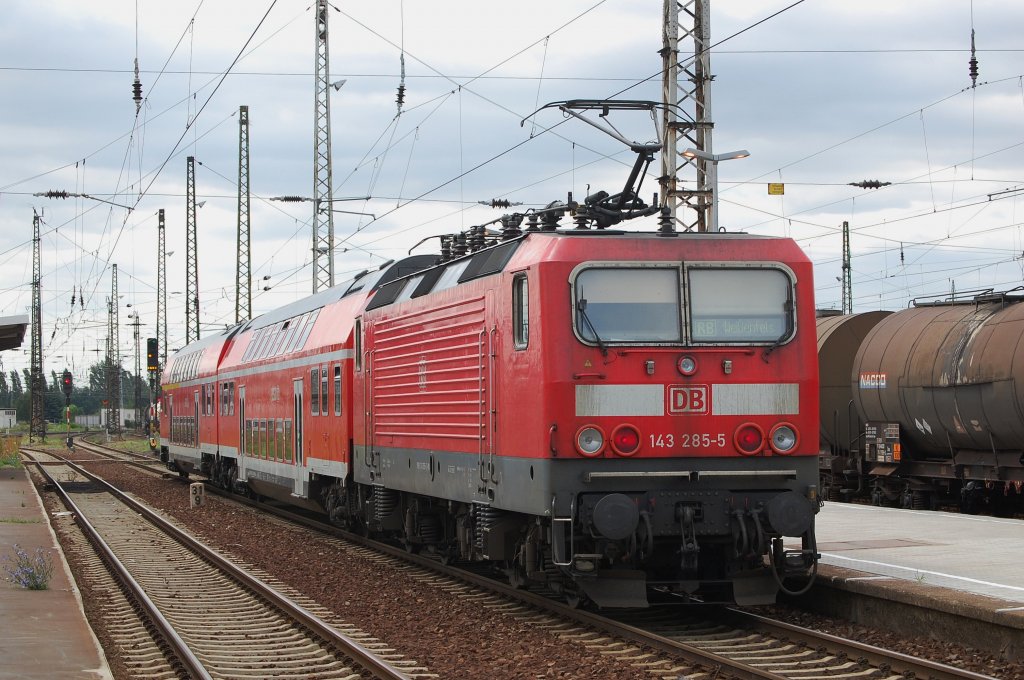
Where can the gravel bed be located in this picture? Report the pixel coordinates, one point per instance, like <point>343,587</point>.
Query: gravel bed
<point>452,637</point>
<point>939,651</point>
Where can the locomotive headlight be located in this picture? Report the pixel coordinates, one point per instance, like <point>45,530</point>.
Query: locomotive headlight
<point>687,365</point>
<point>589,440</point>
<point>783,438</point>
<point>749,439</point>
<point>625,440</point>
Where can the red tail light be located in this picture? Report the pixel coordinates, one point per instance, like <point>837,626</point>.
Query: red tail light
<point>749,439</point>
<point>625,440</point>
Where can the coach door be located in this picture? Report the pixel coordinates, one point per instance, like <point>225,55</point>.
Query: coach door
<point>242,434</point>
<point>195,420</point>
<point>300,467</point>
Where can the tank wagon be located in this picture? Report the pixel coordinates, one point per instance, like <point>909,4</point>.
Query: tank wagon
<point>607,413</point>
<point>842,428</point>
<point>939,388</point>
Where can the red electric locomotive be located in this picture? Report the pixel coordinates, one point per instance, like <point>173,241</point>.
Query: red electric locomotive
<point>607,413</point>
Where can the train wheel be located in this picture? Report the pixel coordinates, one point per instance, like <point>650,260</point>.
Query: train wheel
<point>877,497</point>
<point>907,499</point>
<point>573,598</point>
<point>516,577</point>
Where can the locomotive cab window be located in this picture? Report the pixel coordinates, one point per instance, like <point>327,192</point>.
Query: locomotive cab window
<point>740,305</point>
<point>627,304</point>
<point>520,312</point>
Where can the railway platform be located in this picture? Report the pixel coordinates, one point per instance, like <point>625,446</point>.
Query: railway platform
<point>44,632</point>
<point>937,574</point>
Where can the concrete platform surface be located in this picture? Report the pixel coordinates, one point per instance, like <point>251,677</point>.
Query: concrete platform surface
<point>975,554</point>
<point>45,633</point>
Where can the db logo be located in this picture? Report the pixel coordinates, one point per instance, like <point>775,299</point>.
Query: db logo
<point>688,399</point>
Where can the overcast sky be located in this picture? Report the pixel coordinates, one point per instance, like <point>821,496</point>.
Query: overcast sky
<point>823,94</point>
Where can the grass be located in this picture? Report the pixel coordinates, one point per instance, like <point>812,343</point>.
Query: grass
<point>132,445</point>
<point>10,459</point>
<point>19,520</point>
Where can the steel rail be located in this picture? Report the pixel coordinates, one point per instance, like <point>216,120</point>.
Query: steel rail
<point>876,656</point>
<point>193,666</point>
<point>376,666</point>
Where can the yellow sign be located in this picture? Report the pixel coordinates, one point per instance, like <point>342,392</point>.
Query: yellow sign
<point>776,188</point>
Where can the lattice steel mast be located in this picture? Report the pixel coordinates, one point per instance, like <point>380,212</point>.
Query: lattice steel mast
<point>243,274</point>
<point>191,255</point>
<point>847,278</point>
<point>137,376</point>
<point>37,384</point>
<point>686,92</point>
<point>323,218</point>
<point>113,359</point>
<point>161,288</point>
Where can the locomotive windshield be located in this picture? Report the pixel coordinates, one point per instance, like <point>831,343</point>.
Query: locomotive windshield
<point>740,305</point>
<point>628,305</point>
<point>644,305</point>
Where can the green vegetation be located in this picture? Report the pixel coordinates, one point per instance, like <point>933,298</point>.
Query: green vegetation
<point>131,445</point>
<point>9,456</point>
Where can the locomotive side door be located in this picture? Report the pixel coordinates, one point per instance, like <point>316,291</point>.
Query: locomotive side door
<point>300,466</point>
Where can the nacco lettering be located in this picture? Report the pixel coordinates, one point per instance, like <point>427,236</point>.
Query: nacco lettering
<point>872,381</point>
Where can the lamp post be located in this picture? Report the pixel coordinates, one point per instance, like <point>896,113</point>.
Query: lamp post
<point>711,174</point>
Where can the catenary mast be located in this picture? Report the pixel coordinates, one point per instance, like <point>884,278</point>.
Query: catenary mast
<point>191,255</point>
<point>161,289</point>
<point>686,90</point>
<point>37,385</point>
<point>243,271</point>
<point>323,218</point>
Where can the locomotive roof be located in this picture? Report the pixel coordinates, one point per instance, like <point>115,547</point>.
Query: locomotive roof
<point>365,281</point>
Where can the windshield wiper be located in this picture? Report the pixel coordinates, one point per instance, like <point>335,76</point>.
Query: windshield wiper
<point>581,307</point>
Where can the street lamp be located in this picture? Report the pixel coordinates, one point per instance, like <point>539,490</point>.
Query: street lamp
<point>711,173</point>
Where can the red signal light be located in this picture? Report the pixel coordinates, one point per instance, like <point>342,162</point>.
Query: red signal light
<point>625,440</point>
<point>749,439</point>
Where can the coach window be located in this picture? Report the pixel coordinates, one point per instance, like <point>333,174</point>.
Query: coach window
<point>520,311</point>
<point>337,389</point>
<point>288,440</point>
<point>740,305</point>
<point>295,333</point>
<point>307,329</point>
<point>627,304</point>
<point>314,391</point>
<point>323,390</point>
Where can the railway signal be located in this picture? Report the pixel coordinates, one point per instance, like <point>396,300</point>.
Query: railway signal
<point>66,384</point>
<point>152,358</point>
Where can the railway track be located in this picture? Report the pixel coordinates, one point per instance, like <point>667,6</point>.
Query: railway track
<point>725,641</point>
<point>209,619</point>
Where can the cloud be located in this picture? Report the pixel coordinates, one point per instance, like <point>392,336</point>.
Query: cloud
<point>822,95</point>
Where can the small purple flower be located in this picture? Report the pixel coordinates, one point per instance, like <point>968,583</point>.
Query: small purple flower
<point>29,572</point>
